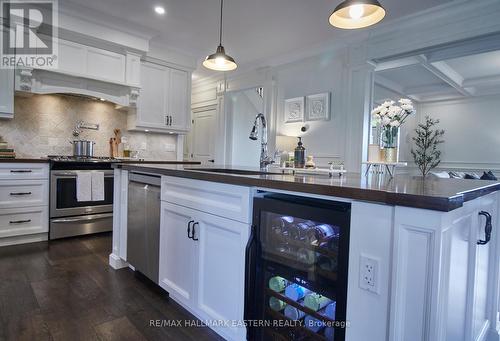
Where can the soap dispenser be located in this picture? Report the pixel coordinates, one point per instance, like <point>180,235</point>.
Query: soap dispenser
<point>300,155</point>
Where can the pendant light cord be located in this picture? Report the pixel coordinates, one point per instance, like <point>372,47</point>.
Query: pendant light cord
<point>220,27</point>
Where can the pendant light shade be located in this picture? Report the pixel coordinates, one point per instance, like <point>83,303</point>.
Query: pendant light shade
<point>220,61</point>
<point>353,14</point>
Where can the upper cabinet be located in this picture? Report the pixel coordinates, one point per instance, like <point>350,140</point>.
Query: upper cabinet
<point>163,103</point>
<point>7,93</point>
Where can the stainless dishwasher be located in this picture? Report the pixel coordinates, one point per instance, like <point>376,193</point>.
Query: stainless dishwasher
<point>143,231</point>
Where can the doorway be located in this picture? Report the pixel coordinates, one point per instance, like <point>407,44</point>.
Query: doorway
<point>241,108</point>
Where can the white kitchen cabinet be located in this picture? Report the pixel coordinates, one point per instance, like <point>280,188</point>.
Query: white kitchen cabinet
<point>7,93</point>
<point>178,104</point>
<point>202,259</point>
<point>163,103</point>
<point>24,198</point>
<point>221,271</point>
<point>443,281</point>
<point>177,254</point>
<point>201,146</point>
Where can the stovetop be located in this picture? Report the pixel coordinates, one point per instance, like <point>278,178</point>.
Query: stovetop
<point>68,158</point>
<point>64,162</point>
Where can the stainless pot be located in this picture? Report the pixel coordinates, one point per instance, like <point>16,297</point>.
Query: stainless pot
<point>83,148</point>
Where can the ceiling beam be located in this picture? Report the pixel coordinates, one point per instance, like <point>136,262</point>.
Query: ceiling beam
<point>444,72</point>
<point>394,87</point>
<point>396,64</point>
<point>482,81</point>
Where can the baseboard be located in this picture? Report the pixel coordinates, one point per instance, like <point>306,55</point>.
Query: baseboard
<point>116,262</point>
<point>25,239</point>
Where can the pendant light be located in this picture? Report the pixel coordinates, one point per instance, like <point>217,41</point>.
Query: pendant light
<point>353,14</point>
<point>220,61</point>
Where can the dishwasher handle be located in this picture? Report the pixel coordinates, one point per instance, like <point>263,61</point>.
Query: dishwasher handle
<point>148,179</point>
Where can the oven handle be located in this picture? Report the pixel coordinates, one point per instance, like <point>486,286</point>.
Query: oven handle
<point>107,173</point>
<point>84,218</point>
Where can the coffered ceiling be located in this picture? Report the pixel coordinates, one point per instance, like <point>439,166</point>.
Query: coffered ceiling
<point>425,80</point>
<point>254,30</point>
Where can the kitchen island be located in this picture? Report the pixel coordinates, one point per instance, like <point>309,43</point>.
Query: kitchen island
<point>435,268</point>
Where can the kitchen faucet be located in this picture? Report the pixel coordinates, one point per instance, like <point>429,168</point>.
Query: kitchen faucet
<point>265,160</point>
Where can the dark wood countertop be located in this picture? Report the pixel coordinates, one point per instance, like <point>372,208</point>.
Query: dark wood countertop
<point>25,160</point>
<point>411,191</point>
<point>118,161</point>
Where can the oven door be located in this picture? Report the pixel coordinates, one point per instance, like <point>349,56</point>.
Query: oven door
<point>63,201</point>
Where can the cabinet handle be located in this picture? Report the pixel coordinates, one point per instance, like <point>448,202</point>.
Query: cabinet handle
<point>487,228</point>
<point>20,221</point>
<point>21,193</point>
<point>192,237</point>
<point>189,229</point>
<point>21,171</point>
<point>171,119</point>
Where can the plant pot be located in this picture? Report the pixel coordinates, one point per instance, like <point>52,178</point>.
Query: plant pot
<point>390,154</point>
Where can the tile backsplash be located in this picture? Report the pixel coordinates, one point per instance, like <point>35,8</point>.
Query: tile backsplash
<point>43,125</point>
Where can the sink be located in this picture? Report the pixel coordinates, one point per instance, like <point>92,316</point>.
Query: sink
<point>230,171</point>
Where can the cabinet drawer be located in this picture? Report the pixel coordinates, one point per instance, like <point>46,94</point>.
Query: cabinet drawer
<point>22,221</point>
<point>223,200</point>
<point>18,171</point>
<point>24,193</point>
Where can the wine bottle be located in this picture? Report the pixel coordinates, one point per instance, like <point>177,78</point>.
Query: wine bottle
<point>277,283</point>
<point>294,313</point>
<point>299,231</point>
<point>306,256</point>
<point>322,233</point>
<point>327,263</point>
<point>280,226</point>
<point>316,301</point>
<point>329,333</point>
<point>313,324</point>
<point>330,310</point>
<point>296,292</point>
<point>276,304</point>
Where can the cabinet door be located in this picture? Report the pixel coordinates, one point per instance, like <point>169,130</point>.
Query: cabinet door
<point>177,253</point>
<point>178,100</point>
<point>484,266</point>
<point>7,93</point>
<point>203,136</point>
<point>221,271</point>
<point>152,101</point>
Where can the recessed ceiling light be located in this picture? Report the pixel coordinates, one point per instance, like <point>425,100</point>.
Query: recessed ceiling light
<point>160,10</point>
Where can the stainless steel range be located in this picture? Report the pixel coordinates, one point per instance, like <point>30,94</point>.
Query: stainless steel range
<point>68,216</point>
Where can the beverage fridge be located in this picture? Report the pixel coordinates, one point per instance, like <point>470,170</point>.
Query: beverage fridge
<point>297,265</point>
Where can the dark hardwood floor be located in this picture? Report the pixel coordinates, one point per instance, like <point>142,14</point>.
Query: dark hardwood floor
<point>65,290</point>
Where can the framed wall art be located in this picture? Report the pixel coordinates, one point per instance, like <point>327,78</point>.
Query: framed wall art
<point>318,107</point>
<point>294,110</point>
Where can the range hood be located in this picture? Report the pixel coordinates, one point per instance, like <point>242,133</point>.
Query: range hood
<point>51,82</point>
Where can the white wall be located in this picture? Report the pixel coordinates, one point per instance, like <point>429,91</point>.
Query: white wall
<point>244,152</point>
<point>327,73</point>
<point>472,129</point>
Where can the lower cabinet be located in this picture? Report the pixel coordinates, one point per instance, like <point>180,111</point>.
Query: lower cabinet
<point>202,266</point>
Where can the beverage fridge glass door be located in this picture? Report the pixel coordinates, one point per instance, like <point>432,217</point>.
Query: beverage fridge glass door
<point>297,261</point>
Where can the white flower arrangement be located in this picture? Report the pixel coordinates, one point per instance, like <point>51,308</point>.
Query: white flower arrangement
<point>390,116</point>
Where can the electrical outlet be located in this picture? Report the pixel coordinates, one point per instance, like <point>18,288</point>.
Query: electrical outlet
<point>368,273</point>
<point>143,146</point>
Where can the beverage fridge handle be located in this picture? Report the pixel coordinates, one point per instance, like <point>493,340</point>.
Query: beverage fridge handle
<point>249,272</point>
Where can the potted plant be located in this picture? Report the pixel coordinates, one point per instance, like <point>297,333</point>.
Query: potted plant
<point>426,154</point>
<point>391,116</point>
